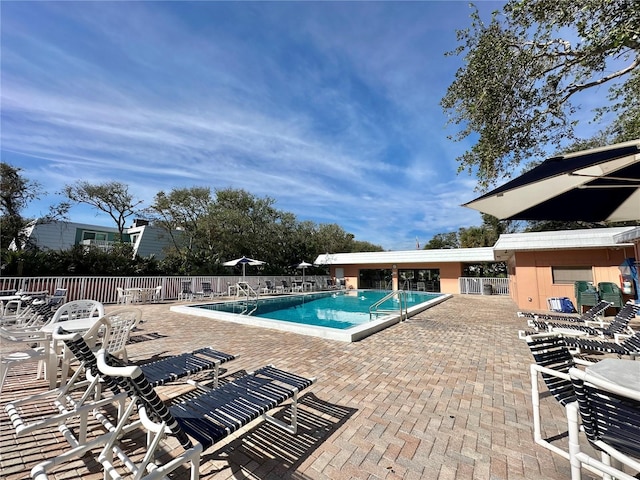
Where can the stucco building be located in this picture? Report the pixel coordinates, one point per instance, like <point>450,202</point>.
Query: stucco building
<point>540,265</point>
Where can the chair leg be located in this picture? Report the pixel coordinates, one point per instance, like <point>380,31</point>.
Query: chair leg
<point>4,370</point>
<point>537,427</point>
<point>574,441</point>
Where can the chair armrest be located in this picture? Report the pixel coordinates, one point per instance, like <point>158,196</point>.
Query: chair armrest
<point>539,368</point>
<point>596,323</point>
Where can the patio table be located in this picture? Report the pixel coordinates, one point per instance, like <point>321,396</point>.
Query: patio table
<point>625,373</point>
<point>140,295</point>
<point>51,345</point>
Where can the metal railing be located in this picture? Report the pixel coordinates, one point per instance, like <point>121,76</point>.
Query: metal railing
<point>375,309</point>
<point>250,297</point>
<point>484,286</point>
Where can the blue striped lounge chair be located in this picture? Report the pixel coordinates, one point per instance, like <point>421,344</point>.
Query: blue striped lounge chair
<point>201,420</point>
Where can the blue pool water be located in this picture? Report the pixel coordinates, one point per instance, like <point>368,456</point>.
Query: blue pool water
<point>338,310</point>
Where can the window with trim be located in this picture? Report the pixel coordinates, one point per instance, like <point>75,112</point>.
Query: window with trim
<point>570,275</point>
<point>88,235</point>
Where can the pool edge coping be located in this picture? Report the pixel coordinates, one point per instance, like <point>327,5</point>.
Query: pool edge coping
<point>353,334</point>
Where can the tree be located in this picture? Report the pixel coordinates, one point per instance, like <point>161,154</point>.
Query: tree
<point>364,246</point>
<point>520,76</point>
<point>626,124</point>
<point>443,240</point>
<point>185,210</point>
<point>112,198</point>
<point>16,192</point>
<point>246,224</point>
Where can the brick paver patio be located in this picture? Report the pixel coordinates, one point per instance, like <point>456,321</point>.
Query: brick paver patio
<point>444,395</point>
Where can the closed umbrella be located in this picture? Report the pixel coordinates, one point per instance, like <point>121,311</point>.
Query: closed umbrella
<point>244,261</point>
<point>601,184</point>
<point>303,265</point>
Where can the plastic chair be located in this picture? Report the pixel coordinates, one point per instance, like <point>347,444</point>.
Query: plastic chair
<point>25,355</point>
<point>611,292</point>
<point>553,362</point>
<point>586,295</point>
<point>157,295</point>
<point>123,297</point>
<point>610,419</point>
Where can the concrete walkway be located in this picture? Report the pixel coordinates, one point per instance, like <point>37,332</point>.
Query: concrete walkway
<point>445,395</point>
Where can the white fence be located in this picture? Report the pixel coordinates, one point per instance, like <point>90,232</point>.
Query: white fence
<point>103,289</point>
<point>484,286</point>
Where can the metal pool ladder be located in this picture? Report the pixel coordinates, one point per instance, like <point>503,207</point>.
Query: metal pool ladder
<point>251,298</point>
<point>375,309</point>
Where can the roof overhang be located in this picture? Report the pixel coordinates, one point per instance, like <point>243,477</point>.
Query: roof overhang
<point>408,257</point>
<point>509,244</point>
<point>629,236</point>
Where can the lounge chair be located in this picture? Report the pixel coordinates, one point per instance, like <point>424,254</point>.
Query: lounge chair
<point>629,346</point>
<point>286,288</point>
<point>206,290</point>
<point>594,314</point>
<point>76,397</point>
<point>32,316</point>
<point>619,325</point>
<point>185,293</point>
<point>553,362</point>
<point>200,421</point>
<point>268,287</point>
<point>610,419</point>
<point>65,402</point>
<point>17,312</point>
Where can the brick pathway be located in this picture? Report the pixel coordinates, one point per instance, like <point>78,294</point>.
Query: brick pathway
<point>445,395</point>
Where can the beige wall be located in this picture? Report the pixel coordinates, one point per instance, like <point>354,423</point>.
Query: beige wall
<point>449,273</point>
<point>532,283</point>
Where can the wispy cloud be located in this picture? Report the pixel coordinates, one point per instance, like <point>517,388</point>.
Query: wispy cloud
<point>330,109</point>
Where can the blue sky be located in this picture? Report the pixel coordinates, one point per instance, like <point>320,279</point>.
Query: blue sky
<point>331,109</point>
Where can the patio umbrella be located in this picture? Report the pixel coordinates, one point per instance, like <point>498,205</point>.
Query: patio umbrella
<point>303,265</point>
<point>596,185</point>
<point>244,261</point>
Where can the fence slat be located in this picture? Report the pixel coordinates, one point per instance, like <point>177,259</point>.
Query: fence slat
<point>476,285</point>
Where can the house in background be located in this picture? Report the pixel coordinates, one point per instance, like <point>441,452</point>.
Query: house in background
<point>145,239</point>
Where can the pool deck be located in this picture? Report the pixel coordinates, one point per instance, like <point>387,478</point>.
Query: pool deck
<point>444,395</point>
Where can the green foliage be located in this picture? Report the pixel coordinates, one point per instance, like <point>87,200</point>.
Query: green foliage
<point>362,246</point>
<point>16,192</point>
<point>205,231</point>
<point>443,240</point>
<point>520,75</point>
<point>78,260</point>
<point>485,235</point>
<point>112,198</point>
<point>185,210</point>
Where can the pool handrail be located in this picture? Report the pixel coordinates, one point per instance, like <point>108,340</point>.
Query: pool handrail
<point>402,301</point>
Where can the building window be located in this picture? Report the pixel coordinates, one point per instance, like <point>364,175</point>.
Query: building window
<point>570,275</point>
<point>94,236</point>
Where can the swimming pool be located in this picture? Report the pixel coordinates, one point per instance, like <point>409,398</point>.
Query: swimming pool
<point>342,315</point>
